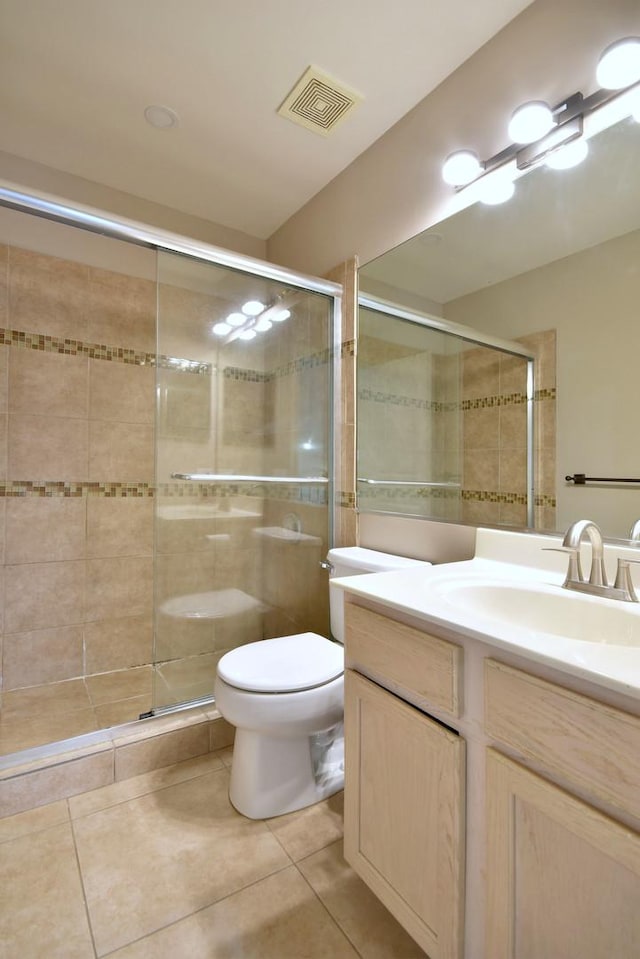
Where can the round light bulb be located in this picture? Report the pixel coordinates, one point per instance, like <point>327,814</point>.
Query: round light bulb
<point>568,156</point>
<point>263,325</point>
<point>619,65</point>
<point>221,329</point>
<point>236,319</point>
<point>461,168</point>
<point>281,316</point>
<point>253,307</point>
<point>530,122</point>
<point>496,190</point>
<point>247,335</point>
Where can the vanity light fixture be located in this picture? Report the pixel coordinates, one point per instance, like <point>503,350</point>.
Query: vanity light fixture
<point>530,122</point>
<point>619,65</point>
<point>554,135</point>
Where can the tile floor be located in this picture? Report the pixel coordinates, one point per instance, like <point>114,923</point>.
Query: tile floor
<point>162,867</point>
<point>37,715</point>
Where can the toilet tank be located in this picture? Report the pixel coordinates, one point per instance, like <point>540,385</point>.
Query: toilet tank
<point>356,561</point>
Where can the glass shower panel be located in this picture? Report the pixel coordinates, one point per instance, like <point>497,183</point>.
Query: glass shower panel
<point>242,463</point>
<point>409,418</point>
<point>444,424</point>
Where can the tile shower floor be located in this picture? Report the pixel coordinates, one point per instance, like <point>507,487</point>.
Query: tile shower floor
<point>162,867</point>
<point>38,715</point>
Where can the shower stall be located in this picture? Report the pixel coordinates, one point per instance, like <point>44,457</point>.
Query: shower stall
<point>167,468</point>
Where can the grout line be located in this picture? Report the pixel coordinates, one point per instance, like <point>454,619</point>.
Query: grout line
<point>324,905</point>
<point>82,885</point>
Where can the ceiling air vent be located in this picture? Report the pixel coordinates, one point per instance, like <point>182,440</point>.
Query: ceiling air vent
<point>318,102</point>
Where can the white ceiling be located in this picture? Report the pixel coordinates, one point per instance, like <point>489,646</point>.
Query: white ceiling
<point>76,76</point>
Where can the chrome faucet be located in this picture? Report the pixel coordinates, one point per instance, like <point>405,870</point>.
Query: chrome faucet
<point>597,584</point>
<point>634,532</point>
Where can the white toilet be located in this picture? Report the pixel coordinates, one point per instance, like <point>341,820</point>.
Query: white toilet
<point>285,696</point>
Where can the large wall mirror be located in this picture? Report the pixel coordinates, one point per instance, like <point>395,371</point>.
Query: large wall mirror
<point>557,268</point>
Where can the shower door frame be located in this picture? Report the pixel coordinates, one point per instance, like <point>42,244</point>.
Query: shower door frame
<point>469,335</point>
<point>25,200</point>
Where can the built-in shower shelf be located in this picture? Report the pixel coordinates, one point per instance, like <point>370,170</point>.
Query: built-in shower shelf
<point>215,604</point>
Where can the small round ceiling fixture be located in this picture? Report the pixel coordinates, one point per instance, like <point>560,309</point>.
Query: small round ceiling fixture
<point>162,118</point>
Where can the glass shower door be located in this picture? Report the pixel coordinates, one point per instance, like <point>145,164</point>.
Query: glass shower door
<point>243,447</point>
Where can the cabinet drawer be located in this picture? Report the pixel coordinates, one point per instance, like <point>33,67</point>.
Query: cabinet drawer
<point>427,670</point>
<point>593,745</point>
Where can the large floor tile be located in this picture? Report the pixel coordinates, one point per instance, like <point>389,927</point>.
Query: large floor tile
<point>308,830</point>
<point>277,918</point>
<point>42,912</point>
<point>136,786</point>
<point>33,820</point>
<point>362,917</point>
<point>158,858</point>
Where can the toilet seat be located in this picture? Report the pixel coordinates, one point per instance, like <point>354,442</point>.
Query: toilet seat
<point>284,665</point>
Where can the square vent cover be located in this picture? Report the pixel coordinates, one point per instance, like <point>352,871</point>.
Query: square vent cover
<point>318,102</point>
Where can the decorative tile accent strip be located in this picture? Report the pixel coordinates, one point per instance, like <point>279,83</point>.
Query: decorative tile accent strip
<point>490,496</point>
<point>395,399</point>
<point>247,376</point>
<point>549,393</point>
<point>320,358</point>
<point>348,348</point>
<point>346,500</point>
<point>487,402</point>
<point>99,351</point>
<point>314,495</point>
<point>51,488</point>
<point>404,493</point>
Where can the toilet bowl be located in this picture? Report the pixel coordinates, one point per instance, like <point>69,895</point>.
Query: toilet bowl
<point>285,696</point>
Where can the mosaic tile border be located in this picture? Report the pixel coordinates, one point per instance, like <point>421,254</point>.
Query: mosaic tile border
<point>345,500</point>
<point>492,496</point>
<point>99,351</point>
<point>436,406</point>
<point>310,361</point>
<point>548,393</point>
<point>294,493</point>
<point>491,402</point>
<point>402,493</point>
<point>397,399</point>
<point>67,490</point>
<point>348,348</point>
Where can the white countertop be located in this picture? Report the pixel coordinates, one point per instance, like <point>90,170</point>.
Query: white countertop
<point>519,560</point>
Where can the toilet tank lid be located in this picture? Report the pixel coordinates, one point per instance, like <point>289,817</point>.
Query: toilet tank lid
<point>287,664</point>
<point>358,557</point>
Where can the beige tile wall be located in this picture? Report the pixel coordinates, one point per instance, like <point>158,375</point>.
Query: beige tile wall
<point>77,562</point>
<point>494,435</point>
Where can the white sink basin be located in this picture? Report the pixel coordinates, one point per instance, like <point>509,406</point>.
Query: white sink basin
<point>548,609</point>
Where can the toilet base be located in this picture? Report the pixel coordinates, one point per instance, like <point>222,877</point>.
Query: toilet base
<point>271,776</point>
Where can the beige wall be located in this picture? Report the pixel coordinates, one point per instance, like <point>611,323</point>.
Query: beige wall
<point>76,189</point>
<point>394,189</point>
<point>591,299</point>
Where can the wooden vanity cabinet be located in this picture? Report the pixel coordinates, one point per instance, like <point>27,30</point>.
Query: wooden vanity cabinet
<point>563,878</point>
<point>404,782</point>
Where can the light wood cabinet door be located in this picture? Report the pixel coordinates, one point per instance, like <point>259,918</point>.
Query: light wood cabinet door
<point>563,878</point>
<point>404,813</point>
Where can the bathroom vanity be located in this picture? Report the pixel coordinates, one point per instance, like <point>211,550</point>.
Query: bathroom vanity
<point>492,797</point>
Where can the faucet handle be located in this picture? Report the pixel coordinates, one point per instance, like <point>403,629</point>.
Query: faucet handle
<point>574,573</point>
<point>623,578</point>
